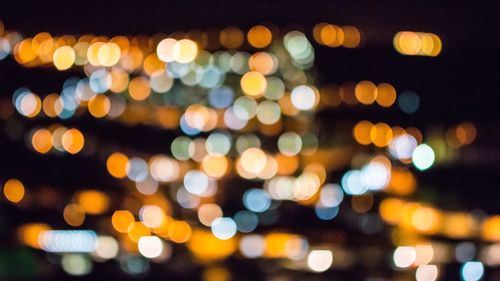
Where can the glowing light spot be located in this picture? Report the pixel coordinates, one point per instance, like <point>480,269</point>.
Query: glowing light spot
<point>366,92</point>
<point>106,247</point>
<point>256,200</point>
<point>472,271</point>
<point>253,83</point>
<point>108,54</point>
<point>223,228</point>
<point>74,214</point>
<point>304,97</point>
<point>41,141</point>
<point>423,157</point>
<point>73,141</point>
<point>64,57</point>
<point>139,88</point>
<point>404,256</point>
<point>93,202</point>
<point>150,246</point>
<point>386,94</point>
<point>13,190</point>
<point>290,143</point>
<point>76,264</point>
<point>320,260</point>
<point>117,165</point>
<point>184,51</point>
<point>252,246</point>
<point>253,160</point>
<point>165,50</point>
<point>426,272</point>
<point>207,213</point>
<point>196,182</point>
<point>259,36</point>
<point>137,169</point>
<point>121,220</point>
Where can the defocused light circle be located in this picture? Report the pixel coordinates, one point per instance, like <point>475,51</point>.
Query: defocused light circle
<point>423,157</point>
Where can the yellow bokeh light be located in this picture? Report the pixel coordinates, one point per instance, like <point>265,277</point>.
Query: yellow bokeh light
<point>262,62</point>
<point>165,50</point>
<point>381,134</point>
<point>41,141</point>
<point>73,141</point>
<point>108,54</point>
<point>206,247</point>
<point>139,88</point>
<point>92,201</point>
<point>215,166</point>
<point>179,231</point>
<point>185,51</point>
<point>99,106</point>
<point>253,83</point>
<point>386,94</point>
<point>93,53</point>
<point>28,233</point>
<point>137,230</point>
<point>64,57</point>
<point>362,131</point>
<point>259,36</point>
<point>366,92</point>
<point>13,190</point>
<point>48,105</point>
<point>121,220</point>
<point>117,165</point>
<point>253,160</point>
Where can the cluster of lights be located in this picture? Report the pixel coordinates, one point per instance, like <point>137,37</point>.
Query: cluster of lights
<point>229,105</point>
<point>417,43</point>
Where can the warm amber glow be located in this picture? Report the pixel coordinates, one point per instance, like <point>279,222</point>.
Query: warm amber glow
<point>64,57</point>
<point>13,190</point>
<point>215,166</point>
<point>206,247</point>
<point>381,134</point>
<point>121,220</point>
<point>253,83</point>
<point>117,165</point>
<point>42,141</point>
<point>386,94</point>
<point>28,233</point>
<point>366,92</point>
<point>139,88</point>
<point>259,36</point>
<point>362,131</point>
<point>179,231</point>
<point>74,214</point>
<point>92,201</point>
<point>73,141</point>
<point>136,230</point>
<point>99,106</point>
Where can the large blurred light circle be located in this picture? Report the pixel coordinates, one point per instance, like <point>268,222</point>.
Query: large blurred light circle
<point>137,169</point>
<point>303,97</point>
<point>224,228</point>
<point>472,271</point>
<point>423,157</point>
<point>352,184</point>
<point>106,247</point>
<point>331,195</point>
<point>196,182</point>
<point>404,256</point>
<point>256,200</point>
<point>402,147</point>
<point>150,246</point>
<point>320,260</point>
